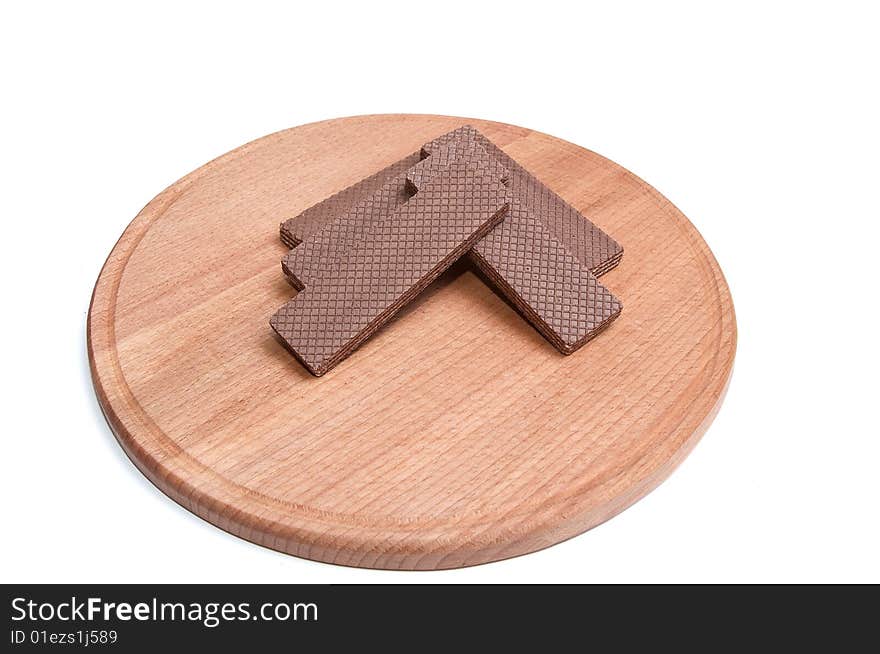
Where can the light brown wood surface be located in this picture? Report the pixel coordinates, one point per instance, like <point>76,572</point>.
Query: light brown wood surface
<point>456,435</point>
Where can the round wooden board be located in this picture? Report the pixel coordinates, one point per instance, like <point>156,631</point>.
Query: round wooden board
<point>456,435</point>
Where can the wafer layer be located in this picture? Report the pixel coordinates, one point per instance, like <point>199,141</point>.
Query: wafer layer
<point>556,293</point>
<point>589,244</point>
<point>344,230</point>
<point>453,151</point>
<point>297,229</point>
<point>340,234</point>
<point>554,290</point>
<point>399,256</point>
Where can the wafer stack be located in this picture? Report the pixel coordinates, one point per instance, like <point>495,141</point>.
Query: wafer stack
<point>359,256</point>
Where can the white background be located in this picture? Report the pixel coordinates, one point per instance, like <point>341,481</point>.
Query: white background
<point>760,123</point>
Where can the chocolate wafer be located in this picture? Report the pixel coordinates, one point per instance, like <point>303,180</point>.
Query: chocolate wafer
<point>399,256</point>
<point>554,290</point>
<point>295,230</point>
<point>346,229</point>
<point>446,154</point>
<point>589,244</point>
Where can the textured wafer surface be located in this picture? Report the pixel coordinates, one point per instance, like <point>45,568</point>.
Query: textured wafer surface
<point>559,296</point>
<point>295,230</point>
<point>589,244</point>
<point>446,154</point>
<point>339,234</point>
<point>522,257</point>
<point>399,256</point>
<point>595,249</point>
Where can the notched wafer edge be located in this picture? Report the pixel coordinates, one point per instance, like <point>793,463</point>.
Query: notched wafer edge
<point>295,230</point>
<point>454,151</point>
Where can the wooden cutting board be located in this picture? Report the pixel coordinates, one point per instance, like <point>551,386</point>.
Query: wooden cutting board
<point>457,435</point>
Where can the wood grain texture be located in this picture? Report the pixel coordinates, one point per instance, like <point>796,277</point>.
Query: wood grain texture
<point>456,435</point>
